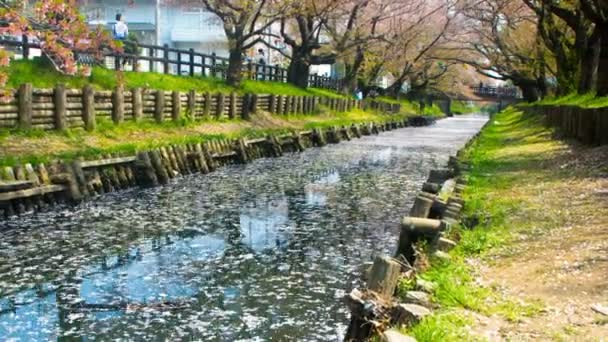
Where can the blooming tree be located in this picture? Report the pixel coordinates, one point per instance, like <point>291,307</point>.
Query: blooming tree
<point>58,27</point>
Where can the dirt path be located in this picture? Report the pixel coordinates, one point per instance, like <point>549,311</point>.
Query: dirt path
<point>560,260</point>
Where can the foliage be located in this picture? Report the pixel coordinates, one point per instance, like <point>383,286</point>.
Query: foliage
<point>59,28</point>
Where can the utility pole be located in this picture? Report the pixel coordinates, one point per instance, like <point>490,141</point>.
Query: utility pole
<point>157,22</point>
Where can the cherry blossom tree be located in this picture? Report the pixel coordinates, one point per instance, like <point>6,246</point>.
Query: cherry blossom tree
<point>58,27</point>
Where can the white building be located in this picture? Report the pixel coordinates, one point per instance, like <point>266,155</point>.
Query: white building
<point>157,23</point>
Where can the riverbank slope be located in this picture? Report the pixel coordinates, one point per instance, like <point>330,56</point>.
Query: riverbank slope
<point>531,260</point>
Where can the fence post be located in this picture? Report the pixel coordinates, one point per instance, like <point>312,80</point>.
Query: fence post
<point>159,106</point>
<point>176,110</point>
<point>138,111</point>
<point>207,108</point>
<point>25,106</point>
<point>192,103</point>
<point>272,103</point>
<point>191,61</point>
<point>88,107</point>
<point>254,103</point>
<point>25,46</point>
<point>179,63</point>
<point>213,62</point>
<point>246,106</point>
<point>280,104</point>
<point>118,105</point>
<point>151,54</point>
<point>293,101</point>
<point>60,98</point>
<point>221,103</point>
<point>166,58</point>
<point>232,112</point>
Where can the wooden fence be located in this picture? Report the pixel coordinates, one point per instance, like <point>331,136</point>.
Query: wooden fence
<point>169,60</point>
<point>588,125</point>
<point>61,108</point>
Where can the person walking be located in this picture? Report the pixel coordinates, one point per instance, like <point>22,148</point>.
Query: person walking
<point>120,32</point>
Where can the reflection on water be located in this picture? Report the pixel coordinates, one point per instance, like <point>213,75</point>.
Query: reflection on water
<point>256,252</point>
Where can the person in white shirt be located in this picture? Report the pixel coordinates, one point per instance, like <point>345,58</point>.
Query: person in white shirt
<point>120,31</point>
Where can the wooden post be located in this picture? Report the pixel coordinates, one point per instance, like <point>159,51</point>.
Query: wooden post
<point>207,107</point>
<point>213,63</point>
<point>221,103</point>
<point>176,110</point>
<point>241,151</point>
<point>254,103</point>
<point>25,99</point>
<point>165,58</point>
<point>138,109</point>
<point>246,106</point>
<point>60,107</point>
<point>146,175</point>
<point>272,103</point>
<point>384,276</point>
<point>293,105</point>
<point>118,105</point>
<point>159,106</point>
<point>422,207</point>
<point>179,63</point>
<point>192,103</point>
<point>232,111</point>
<point>300,105</point>
<point>88,107</point>
<point>280,104</point>
<point>161,172</point>
<point>191,61</point>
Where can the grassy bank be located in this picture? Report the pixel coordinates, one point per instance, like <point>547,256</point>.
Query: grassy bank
<point>33,146</point>
<point>43,76</point>
<point>461,107</point>
<point>521,181</point>
<point>580,100</point>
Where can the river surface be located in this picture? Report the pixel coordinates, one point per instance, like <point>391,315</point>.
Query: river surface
<point>256,252</point>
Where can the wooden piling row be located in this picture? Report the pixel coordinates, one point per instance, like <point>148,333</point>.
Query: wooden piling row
<point>430,218</point>
<point>42,186</point>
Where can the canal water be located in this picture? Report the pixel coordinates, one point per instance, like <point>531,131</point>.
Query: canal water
<point>256,252</point>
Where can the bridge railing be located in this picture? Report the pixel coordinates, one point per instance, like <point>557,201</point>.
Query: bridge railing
<point>167,60</point>
<point>504,92</point>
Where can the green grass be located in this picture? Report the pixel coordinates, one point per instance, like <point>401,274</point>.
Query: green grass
<point>412,107</point>
<point>582,100</point>
<point>44,76</point>
<point>444,326</point>
<point>460,107</point>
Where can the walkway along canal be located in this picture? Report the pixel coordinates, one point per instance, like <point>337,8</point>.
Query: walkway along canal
<point>260,251</point>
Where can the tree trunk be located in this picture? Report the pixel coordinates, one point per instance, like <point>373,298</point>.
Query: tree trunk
<point>529,92</point>
<point>234,74</point>
<point>566,80</point>
<point>602,70</point>
<point>588,64</point>
<point>352,72</point>
<point>298,71</point>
